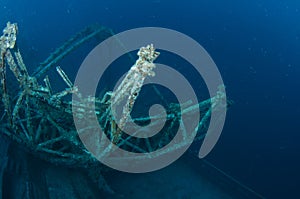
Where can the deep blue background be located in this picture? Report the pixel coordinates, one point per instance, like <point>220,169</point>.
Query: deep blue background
<point>255,44</point>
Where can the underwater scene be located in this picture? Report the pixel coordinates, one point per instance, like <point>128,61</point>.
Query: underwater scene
<point>149,99</point>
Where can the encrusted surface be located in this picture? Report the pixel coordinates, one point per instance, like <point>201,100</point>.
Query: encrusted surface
<point>41,120</point>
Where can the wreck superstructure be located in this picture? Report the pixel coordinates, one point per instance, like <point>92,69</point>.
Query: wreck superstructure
<point>41,120</point>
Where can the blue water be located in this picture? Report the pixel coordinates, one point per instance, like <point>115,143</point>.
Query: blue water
<point>255,44</point>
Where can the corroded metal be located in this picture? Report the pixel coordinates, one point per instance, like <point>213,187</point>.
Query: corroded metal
<point>42,120</point>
